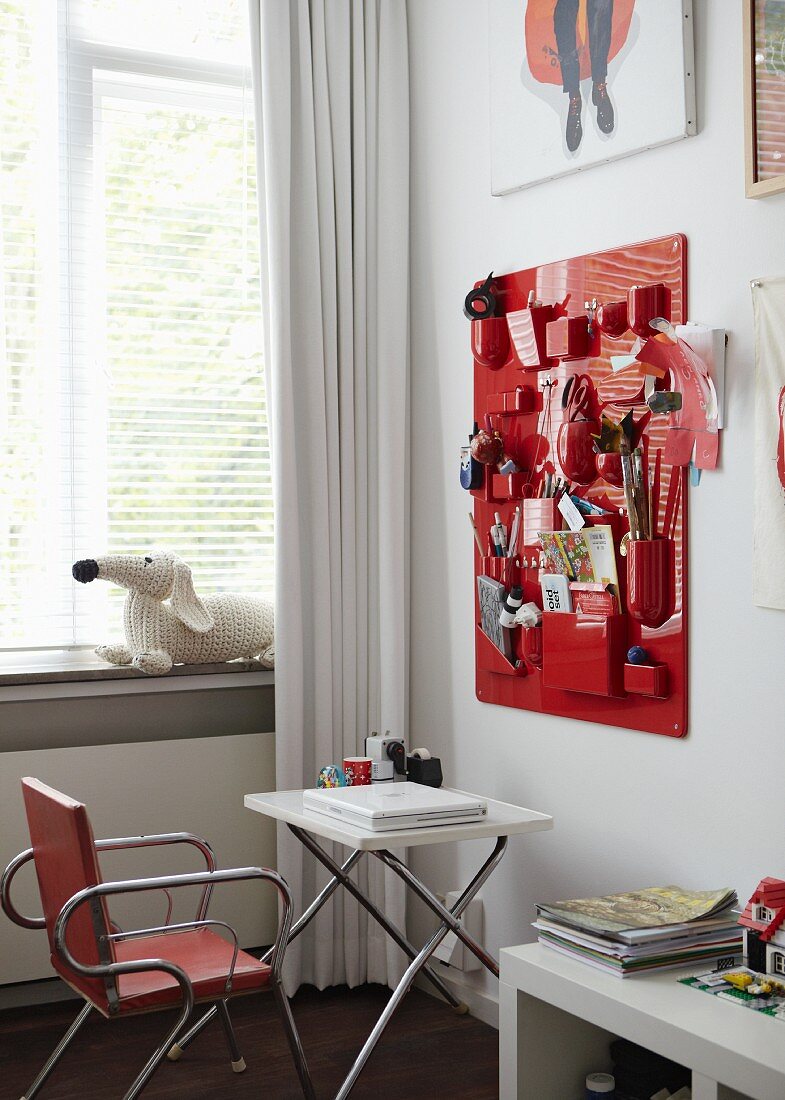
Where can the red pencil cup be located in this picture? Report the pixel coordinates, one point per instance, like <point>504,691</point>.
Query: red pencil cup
<point>357,770</point>
<point>609,468</point>
<point>532,645</point>
<point>612,319</point>
<point>540,514</point>
<point>644,303</point>
<point>575,449</point>
<point>650,581</point>
<point>490,341</point>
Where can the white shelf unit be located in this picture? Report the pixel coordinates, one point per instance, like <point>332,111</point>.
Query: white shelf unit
<point>558,1015</point>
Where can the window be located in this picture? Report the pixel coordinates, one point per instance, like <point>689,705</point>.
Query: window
<point>765,915</point>
<point>132,391</point>
<point>779,963</point>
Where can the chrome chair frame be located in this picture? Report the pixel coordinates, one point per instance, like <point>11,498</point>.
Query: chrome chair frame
<point>109,970</point>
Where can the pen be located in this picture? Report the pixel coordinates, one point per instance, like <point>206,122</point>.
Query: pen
<point>516,525</point>
<point>497,546</point>
<point>502,533</point>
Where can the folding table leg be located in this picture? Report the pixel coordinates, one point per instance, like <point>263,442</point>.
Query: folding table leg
<point>319,901</point>
<point>394,933</point>
<point>417,964</point>
<point>444,914</point>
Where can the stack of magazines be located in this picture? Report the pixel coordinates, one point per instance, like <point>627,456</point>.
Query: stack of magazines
<point>659,928</point>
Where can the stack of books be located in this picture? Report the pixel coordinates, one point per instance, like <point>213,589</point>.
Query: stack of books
<point>659,928</point>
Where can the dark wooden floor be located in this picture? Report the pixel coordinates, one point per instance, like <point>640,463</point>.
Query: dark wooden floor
<point>427,1050</point>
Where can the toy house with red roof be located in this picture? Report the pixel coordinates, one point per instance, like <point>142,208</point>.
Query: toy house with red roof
<point>763,921</point>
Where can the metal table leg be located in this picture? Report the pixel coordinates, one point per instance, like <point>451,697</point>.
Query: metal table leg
<point>444,914</point>
<point>451,917</point>
<point>340,876</point>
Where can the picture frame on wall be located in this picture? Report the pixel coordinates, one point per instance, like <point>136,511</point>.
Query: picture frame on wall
<point>576,83</point>
<point>764,97</point>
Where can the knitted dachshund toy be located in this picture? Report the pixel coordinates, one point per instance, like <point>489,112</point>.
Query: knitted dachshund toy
<point>187,630</point>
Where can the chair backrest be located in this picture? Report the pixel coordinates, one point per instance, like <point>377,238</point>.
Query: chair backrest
<point>65,863</point>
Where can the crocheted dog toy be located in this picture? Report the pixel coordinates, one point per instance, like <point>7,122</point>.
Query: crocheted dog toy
<point>187,630</point>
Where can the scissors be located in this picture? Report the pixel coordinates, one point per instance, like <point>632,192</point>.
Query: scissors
<point>577,397</point>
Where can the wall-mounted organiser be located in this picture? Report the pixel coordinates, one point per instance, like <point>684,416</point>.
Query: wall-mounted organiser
<point>555,329</point>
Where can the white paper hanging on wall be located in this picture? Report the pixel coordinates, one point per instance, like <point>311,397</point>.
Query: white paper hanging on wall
<point>768,576</point>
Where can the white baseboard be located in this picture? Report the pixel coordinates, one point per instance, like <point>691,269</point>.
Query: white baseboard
<point>483,1006</point>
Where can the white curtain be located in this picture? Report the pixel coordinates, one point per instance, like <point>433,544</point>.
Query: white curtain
<point>768,576</point>
<point>332,112</point>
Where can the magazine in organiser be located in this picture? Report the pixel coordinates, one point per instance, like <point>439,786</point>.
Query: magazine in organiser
<point>382,807</point>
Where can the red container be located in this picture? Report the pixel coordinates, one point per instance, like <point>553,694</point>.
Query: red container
<point>539,514</point>
<point>511,402</point>
<point>527,328</point>
<point>568,338</point>
<point>491,341</point>
<point>491,659</point>
<point>575,449</point>
<point>532,645</point>
<point>357,770</point>
<point>609,468</point>
<point>612,319</point>
<point>584,652</point>
<point>650,580</point>
<point>510,486</point>
<point>649,680</point>
<point>504,570</point>
<point>644,303</point>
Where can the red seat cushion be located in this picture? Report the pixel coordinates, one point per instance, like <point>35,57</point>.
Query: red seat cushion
<point>204,956</point>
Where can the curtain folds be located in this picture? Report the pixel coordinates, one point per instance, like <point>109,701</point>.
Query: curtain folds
<point>332,114</point>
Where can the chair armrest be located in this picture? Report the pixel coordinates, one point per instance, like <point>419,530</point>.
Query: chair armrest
<point>198,878</point>
<point>155,840</point>
<point>9,908</point>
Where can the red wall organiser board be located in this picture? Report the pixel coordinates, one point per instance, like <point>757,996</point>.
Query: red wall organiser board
<point>576,665</point>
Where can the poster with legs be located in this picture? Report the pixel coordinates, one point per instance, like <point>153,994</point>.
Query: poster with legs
<point>768,576</point>
<point>579,82</point>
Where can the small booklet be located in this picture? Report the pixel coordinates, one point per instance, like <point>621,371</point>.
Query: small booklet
<point>587,556</point>
<point>491,594</point>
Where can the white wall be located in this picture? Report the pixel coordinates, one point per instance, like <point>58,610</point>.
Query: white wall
<point>631,809</point>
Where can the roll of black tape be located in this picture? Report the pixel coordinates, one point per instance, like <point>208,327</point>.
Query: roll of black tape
<point>480,302</point>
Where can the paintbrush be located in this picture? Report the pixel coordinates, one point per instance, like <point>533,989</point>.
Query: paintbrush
<point>629,488</point>
<point>673,489</point>
<point>655,494</point>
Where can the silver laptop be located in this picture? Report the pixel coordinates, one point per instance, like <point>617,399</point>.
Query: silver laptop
<point>383,806</point>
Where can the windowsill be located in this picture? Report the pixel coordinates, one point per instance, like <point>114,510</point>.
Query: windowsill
<point>98,678</point>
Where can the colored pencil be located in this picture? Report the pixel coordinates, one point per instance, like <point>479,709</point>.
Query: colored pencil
<point>476,536</point>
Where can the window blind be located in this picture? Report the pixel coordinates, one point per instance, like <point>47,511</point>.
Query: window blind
<point>133,383</point>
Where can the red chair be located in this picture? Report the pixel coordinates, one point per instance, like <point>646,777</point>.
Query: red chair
<point>121,973</point>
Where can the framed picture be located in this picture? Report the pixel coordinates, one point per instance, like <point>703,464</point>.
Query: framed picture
<point>576,83</point>
<point>764,96</point>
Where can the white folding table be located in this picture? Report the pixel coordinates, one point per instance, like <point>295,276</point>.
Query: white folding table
<point>501,822</point>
